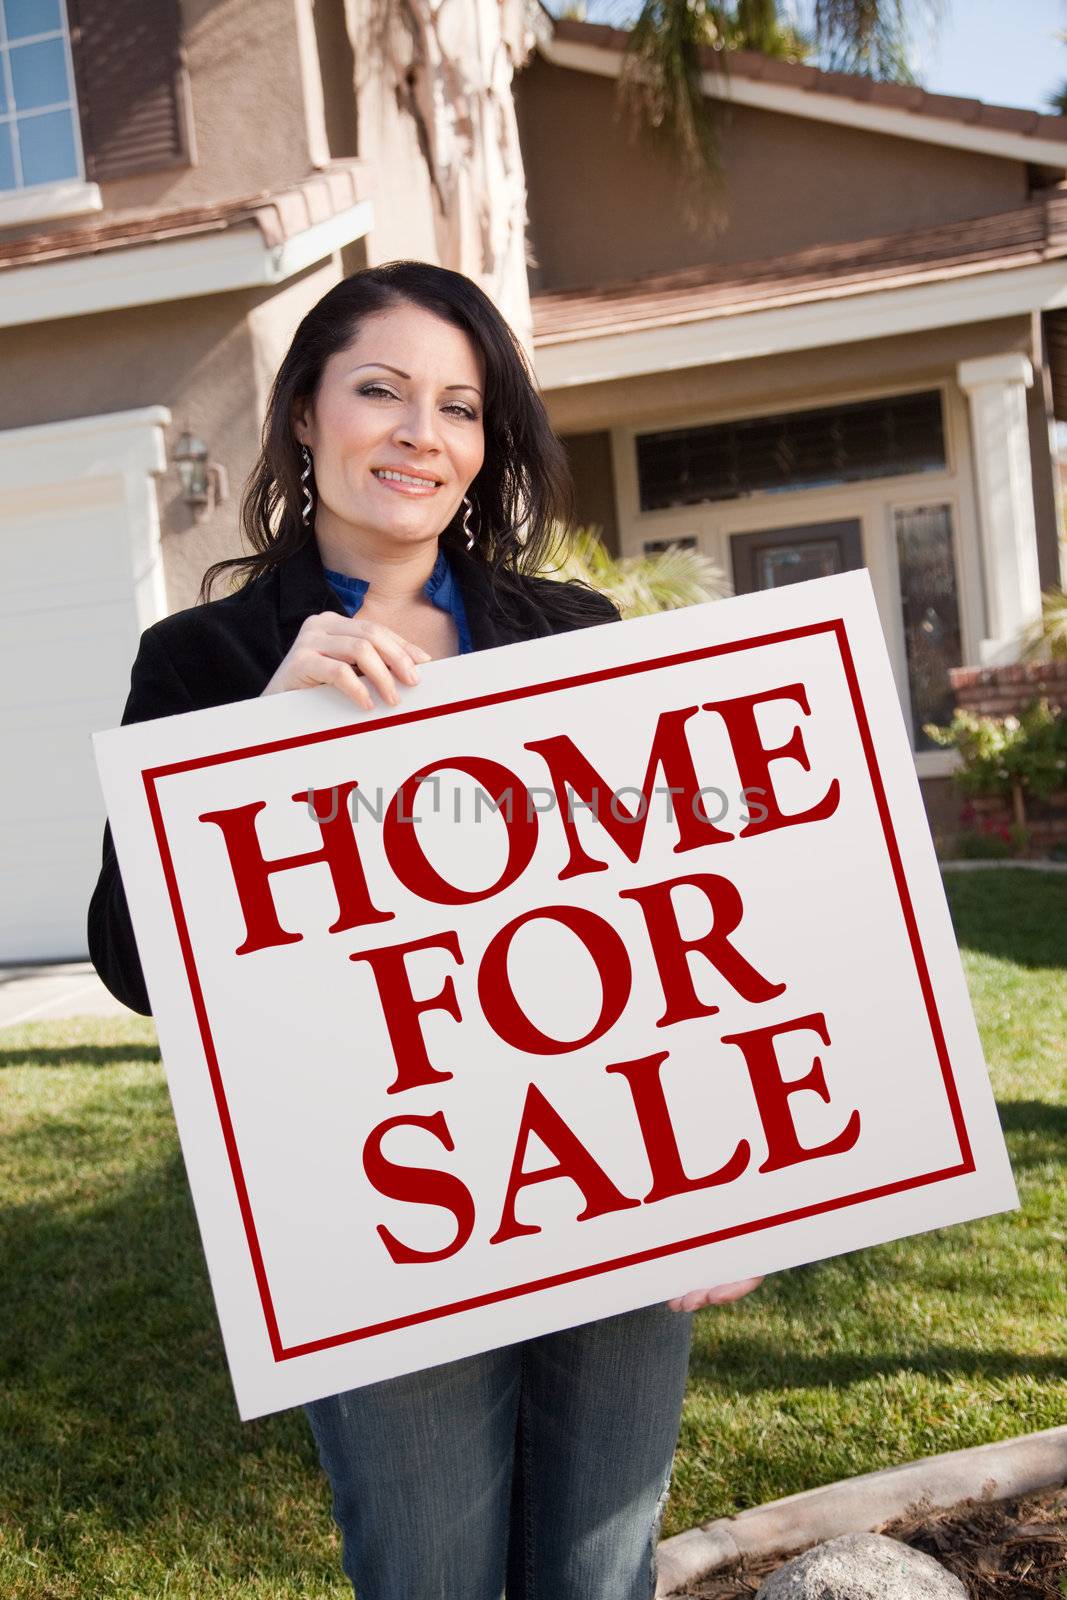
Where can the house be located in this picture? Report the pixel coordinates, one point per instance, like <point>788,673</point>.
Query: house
<point>180,180</point>
<point>857,362</point>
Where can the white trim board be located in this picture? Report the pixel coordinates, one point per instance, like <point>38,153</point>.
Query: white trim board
<point>170,269</point>
<point>839,109</point>
<point>709,340</point>
<point>70,198</point>
<point>85,447</point>
<point>118,452</point>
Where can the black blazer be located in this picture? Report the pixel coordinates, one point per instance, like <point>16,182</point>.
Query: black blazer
<point>229,649</point>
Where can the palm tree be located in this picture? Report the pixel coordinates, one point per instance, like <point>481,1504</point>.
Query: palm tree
<point>1058,101</point>
<point>1046,638</point>
<point>667,50</point>
<point>639,585</point>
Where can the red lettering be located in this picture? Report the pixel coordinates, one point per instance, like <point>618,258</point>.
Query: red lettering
<point>657,1131</point>
<point>402,1011</point>
<point>773,1093</point>
<point>753,759</point>
<point>540,1118</point>
<point>406,855</point>
<point>252,874</point>
<point>502,1010</point>
<point>425,1186</point>
<point>569,769</point>
<point>671,951</point>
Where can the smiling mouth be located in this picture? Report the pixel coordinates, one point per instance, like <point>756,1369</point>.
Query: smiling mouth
<point>400,480</point>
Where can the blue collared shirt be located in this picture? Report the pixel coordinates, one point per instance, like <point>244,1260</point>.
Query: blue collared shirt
<point>440,587</point>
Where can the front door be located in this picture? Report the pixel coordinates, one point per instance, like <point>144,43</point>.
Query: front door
<point>778,556</point>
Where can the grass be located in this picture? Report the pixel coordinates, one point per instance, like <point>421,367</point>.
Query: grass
<point>124,1470</point>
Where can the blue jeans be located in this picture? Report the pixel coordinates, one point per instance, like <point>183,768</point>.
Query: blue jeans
<point>541,1467</point>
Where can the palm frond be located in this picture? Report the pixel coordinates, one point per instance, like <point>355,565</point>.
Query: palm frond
<point>639,585</point>
<point>871,37</point>
<point>1046,639</point>
<point>758,25</point>
<point>659,86</point>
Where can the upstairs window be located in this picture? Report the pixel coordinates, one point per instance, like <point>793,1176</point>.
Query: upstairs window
<point>810,449</point>
<point>39,140</point>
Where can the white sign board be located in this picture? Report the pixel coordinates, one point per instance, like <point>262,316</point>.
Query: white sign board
<point>605,967</point>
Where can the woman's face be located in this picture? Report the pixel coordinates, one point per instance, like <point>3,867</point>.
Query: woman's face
<point>406,394</point>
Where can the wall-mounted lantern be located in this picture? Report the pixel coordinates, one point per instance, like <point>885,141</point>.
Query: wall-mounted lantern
<point>204,483</point>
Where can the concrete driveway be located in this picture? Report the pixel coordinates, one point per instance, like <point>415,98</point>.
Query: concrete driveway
<point>67,989</point>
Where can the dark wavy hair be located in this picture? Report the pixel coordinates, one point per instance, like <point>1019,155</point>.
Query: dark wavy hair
<point>524,487</point>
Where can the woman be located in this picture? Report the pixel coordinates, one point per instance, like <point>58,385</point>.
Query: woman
<point>404,446</point>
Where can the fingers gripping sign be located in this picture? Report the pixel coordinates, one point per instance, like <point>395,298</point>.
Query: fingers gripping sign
<point>349,653</point>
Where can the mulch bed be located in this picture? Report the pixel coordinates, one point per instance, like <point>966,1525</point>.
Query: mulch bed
<point>999,1550</point>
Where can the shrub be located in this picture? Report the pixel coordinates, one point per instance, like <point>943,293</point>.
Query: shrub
<point>972,846</point>
<point>1007,756</point>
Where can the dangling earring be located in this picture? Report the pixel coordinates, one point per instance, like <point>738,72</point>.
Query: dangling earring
<point>305,513</point>
<point>467,529</point>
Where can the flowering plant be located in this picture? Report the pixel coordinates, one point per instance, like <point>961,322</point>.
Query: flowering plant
<point>1009,756</point>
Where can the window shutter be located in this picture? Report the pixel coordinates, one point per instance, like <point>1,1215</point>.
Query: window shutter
<point>133,91</point>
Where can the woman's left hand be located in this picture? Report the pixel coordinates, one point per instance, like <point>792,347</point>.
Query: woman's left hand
<point>722,1295</point>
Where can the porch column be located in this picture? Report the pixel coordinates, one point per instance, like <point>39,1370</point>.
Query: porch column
<point>996,388</point>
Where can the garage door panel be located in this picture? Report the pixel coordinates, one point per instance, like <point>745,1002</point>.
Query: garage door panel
<point>53,906</point>
<point>45,600</point>
<point>81,652</point>
<point>79,544</point>
<point>41,724</point>
<point>72,843</point>
<point>82,619</point>
<point>53,777</point>
<point>70,601</point>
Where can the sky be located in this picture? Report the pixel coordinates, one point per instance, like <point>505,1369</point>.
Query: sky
<point>976,50</point>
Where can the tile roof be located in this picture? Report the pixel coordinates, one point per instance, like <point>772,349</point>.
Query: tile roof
<point>278,215</point>
<point>852,86</point>
<point>1031,234</point>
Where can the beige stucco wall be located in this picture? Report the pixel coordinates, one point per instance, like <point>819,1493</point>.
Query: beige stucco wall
<point>209,360</point>
<point>603,208</point>
<point>626,407</point>
<point>282,87</point>
<point>248,109</point>
<point>448,181</point>
<point>773,383</point>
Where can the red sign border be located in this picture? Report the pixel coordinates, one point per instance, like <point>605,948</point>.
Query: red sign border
<point>151,776</point>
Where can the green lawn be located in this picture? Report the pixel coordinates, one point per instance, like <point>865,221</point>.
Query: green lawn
<point>123,1468</point>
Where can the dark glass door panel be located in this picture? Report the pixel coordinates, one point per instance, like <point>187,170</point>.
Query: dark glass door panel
<point>778,556</point>
<point>930,606</point>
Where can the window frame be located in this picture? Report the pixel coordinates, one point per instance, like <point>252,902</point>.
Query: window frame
<point>713,522</point>
<point>55,197</point>
<point>694,424</point>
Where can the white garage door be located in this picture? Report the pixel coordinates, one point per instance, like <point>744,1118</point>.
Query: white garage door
<point>82,577</point>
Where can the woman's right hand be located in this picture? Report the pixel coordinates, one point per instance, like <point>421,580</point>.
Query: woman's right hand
<point>343,651</point>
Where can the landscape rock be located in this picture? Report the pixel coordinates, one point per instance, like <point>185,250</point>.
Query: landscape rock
<point>862,1566</point>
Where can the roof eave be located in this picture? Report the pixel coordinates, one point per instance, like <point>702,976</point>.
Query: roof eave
<point>602,55</point>
<point>719,336</point>
<point>213,259</point>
